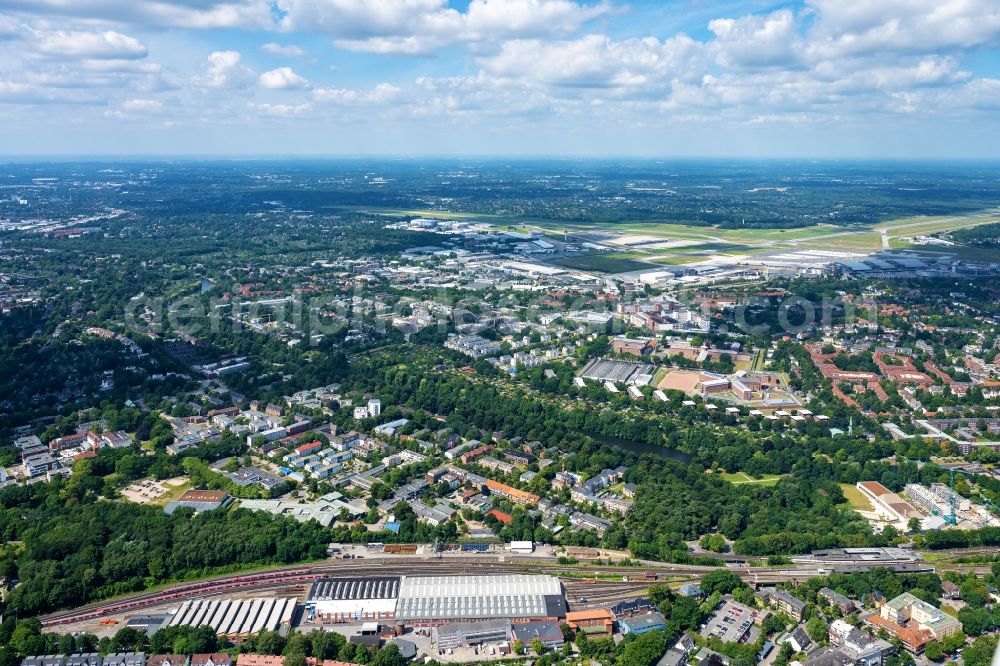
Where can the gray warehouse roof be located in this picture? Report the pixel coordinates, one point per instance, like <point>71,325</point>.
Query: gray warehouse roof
<point>380,587</point>
<point>460,597</point>
<point>236,616</point>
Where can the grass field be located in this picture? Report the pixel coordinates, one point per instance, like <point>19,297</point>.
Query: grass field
<point>960,251</point>
<point>742,478</point>
<point>671,260</point>
<point>606,263</point>
<point>857,501</point>
<point>176,487</point>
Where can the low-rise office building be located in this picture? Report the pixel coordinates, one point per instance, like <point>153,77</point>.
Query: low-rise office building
<point>641,624</point>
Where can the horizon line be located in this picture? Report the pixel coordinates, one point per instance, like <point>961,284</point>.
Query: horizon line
<point>251,157</point>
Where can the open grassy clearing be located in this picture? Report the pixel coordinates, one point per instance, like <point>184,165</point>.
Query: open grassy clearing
<point>856,242</point>
<point>718,247</point>
<point>931,224</point>
<point>672,260</point>
<point>606,263</point>
<point>742,478</point>
<point>175,488</point>
<point>857,501</point>
<point>959,251</point>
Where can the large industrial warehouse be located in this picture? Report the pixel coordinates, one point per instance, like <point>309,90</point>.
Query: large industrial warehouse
<point>236,618</point>
<point>446,598</point>
<point>353,599</point>
<point>433,600</point>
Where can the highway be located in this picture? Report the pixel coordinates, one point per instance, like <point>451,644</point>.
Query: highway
<point>600,591</point>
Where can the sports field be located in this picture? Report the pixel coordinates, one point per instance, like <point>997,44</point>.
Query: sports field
<point>742,478</point>
<point>680,380</point>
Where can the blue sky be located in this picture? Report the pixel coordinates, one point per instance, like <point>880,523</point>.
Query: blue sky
<point>816,78</point>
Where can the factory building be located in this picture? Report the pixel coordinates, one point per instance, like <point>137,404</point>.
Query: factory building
<point>353,599</point>
<point>459,634</point>
<point>236,619</point>
<point>440,599</point>
<point>435,600</point>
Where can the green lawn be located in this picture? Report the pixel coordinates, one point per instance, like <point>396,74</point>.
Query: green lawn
<point>742,478</point>
<point>172,493</point>
<point>603,263</point>
<point>718,247</point>
<point>857,501</point>
<point>674,260</point>
<point>966,252</point>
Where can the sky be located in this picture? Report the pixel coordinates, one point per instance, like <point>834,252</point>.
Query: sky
<point>702,78</point>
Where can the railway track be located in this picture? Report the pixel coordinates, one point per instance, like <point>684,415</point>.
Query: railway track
<point>302,576</point>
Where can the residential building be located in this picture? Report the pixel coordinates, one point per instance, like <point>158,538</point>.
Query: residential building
<point>798,639</point>
<point>391,428</point>
<point>856,645</point>
<point>433,515</point>
<point>166,660</point>
<point>247,659</point>
<point>588,521</point>
<point>495,465</point>
<point>546,631</point>
<point>837,599</point>
<point>44,660</point>
<point>788,604</point>
<point>640,624</point>
<point>597,622</point>
<point>216,659</point>
<point>907,610</point>
<point>125,659</point>
<point>673,657</point>
<point>84,659</point>
<point>516,495</point>
<point>690,590</point>
<point>636,606</point>
<point>39,464</point>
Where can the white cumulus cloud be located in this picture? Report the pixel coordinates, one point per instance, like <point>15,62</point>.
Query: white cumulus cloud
<point>196,14</point>
<point>281,110</point>
<point>92,45</point>
<point>142,105</point>
<point>419,26</point>
<point>224,70</point>
<point>383,93</point>
<point>756,41</point>
<point>9,26</point>
<point>282,78</point>
<point>850,28</point>
<point>286,50</point>
<point>596,61</point>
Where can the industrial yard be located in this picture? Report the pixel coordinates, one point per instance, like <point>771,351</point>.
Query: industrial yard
<point>448,605</point>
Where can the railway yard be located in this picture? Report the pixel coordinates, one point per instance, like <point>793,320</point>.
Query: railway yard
<point>584,586</point>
